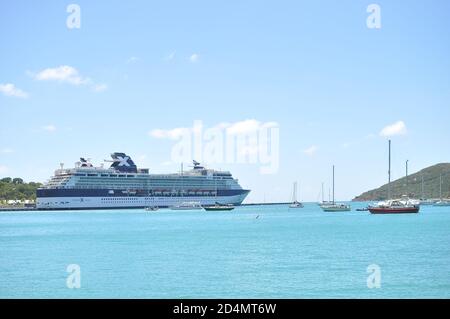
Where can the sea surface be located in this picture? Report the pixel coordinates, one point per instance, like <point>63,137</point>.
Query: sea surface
<point>252,252</point>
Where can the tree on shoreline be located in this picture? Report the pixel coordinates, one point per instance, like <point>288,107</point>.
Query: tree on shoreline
<point>17,189</point>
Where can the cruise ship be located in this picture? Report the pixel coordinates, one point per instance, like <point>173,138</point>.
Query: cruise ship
<point>123,185</point>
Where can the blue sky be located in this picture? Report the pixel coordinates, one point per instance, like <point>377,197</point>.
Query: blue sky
<point>313,67</point>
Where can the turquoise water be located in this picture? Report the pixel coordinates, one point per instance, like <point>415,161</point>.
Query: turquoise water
<point>302,253</point>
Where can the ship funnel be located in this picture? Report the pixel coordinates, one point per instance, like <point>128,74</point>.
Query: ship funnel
<point>123,163</point>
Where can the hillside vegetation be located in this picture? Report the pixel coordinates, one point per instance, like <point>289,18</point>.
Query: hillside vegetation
<point>431,181</point>
<point>17,189</point>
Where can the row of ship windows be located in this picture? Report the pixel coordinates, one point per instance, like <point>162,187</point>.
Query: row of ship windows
<point>103,175</point>
<point>121,198</point>
<point>143,183</point>
<point>139,185</point>
<point>153,180</point>
<point>125,199</point>
<point>144,178</point>
<point>170,185</point>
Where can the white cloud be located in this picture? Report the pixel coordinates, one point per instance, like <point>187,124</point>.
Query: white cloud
<point>244,141</point>
<point>132,60</point>
<point>194,58</point>
<point>172,134</point>
<point>49,128</point>
<point>170,56</point>
<point>67,74</point>
<point>64,73</point>
<point>3,169</point>
<point>100,87</point>
<point>241,127</point>
<point>10,89</point>
<point>246,126</point>
<point>398,128</point>
<point>310,151</point>
<point>141,160</point>
<point>7,151</point>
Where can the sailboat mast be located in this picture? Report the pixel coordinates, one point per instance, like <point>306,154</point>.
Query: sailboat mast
<point>423,197</point>
<point>299,193</point>
<point>407,185</point>
<point>323,194</point>
<point>294,193</point>
<point>389,172</point>
<point>333,184</point>
<point>440,187</point>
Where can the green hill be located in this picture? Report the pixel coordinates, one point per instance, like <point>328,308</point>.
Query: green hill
<point>431,177</point>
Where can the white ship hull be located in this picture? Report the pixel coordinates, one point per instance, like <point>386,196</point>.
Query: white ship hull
<point>62,203</point>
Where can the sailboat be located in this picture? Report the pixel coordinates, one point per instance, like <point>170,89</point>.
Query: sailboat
<point>424,201</point>
<point>333,207</point>
<point>324,202</point>
<point>394,206</point>
<point>295,202</point>
<point>441,202</point>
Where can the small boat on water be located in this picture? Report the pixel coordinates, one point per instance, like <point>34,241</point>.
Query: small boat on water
<point>337,208</point>
<point>333,207</point>
<point>151,208</point>
<point>365,209</point>
<point>295,202</point>
<point>296,205</point>
<point>395,206</point>
<point>188,206</point>
<point>427,202</point>
<point>441,202</point>
<point>218,207</point>
<point>324,202</point>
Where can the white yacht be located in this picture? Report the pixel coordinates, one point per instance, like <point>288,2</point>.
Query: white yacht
<point>295,203</point>
<point>187,206</point>
<point>442,202</point>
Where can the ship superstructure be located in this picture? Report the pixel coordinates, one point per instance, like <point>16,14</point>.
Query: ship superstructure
<point>123,185</point>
